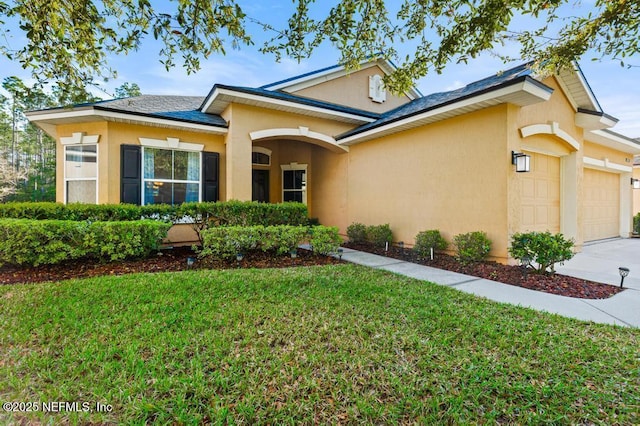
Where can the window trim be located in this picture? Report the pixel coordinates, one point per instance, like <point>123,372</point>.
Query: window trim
<point>68,179</point>
<point>293,167</point>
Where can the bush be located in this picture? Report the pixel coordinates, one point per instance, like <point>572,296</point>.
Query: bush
<point>325,239</point>
<point>636,224</point>
<point>229,213</point>
<point>379,234</point>
<point>37,242</point>
<point>541,250</point>
<point>357,232</point>
<point>241,213</point>
<point>90,212</point>
<point>472,246</point>
<point>227,241</point>
<point>426,240</point>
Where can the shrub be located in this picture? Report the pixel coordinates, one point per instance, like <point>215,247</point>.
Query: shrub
<point>541,250</point>
<point>90,212</point>
<point>379,234</point>
<point>241,213</point>
<point>325,239</point>
<point>37,242</point>
<point>204,214</point>
<point>227,241</point>
<point>426,240</point>
<point>636,224</point>
<point>357,232</point>
<point>120,240</point>
<point>472,246</point>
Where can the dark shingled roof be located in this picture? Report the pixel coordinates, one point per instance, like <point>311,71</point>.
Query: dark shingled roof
<point>435,100</point>
<point>179,108</point>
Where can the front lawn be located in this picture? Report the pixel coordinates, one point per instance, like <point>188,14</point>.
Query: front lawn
<point>331,344</point>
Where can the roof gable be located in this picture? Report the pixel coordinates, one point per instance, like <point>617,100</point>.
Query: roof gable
<point>303,81</point>
<point>515,86</point>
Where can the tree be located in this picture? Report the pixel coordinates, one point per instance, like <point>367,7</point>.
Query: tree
<point>68,42</point>
<point>127,90</point>
<point>9,179</point>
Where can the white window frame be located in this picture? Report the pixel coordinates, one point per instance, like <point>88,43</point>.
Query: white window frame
<point>293,167</point>
<point>261,150</point>
<point>173,150</point>
<point>64,166</point>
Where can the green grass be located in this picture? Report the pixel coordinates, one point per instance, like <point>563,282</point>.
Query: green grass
<point>333,344</point>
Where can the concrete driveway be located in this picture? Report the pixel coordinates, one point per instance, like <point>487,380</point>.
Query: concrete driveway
<point>600,261</point>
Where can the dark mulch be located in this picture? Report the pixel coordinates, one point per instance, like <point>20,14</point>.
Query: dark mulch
<point>514,275</point>
<point>176,260</point>
<point>166,260</point>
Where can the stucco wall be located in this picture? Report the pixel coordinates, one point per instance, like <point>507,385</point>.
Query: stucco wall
<point>105,158</point>
<point>246,119</point>
<point>449,176</point>
<point>112,135</point>
<point>353,90</point>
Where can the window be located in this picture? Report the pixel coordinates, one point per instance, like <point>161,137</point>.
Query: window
<point>260,156</point>
<point>81,173</point>
<point>170,176</point>
<point>294,183</point>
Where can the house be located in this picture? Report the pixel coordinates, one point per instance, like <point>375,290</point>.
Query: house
<point>353,152</point>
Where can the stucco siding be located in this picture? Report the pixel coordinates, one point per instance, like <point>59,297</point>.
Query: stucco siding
<point>112,136</point>
<point>353,90</point>
<point>449,176</point>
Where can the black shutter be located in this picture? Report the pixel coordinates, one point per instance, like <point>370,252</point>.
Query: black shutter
<point>130,174</point>
<point>210,176</point>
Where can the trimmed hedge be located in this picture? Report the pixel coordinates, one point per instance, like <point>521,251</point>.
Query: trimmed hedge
<point>229,213</point>
<point>37,242</point>
<point>84,212</point>
<point>636,224</point>
<point>227,241</point>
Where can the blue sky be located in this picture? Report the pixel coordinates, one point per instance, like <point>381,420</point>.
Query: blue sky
<point>616,88</point>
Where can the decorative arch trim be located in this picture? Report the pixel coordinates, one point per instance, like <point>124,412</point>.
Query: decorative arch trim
<point>551,128</point>
<point>302,134</point>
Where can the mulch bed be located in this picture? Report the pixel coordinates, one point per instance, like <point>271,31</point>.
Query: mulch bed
<point>176,260</point>
<point>164,261</point>
<point>514,275</point>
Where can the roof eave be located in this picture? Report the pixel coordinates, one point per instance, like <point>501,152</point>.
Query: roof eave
<point>613,140</point>
<point>221,96</point>
<point>45,119</point>
<point>594,120</point>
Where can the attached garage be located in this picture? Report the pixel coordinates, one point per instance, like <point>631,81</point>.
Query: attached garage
<point>541,195</point>
<point>601,205</point>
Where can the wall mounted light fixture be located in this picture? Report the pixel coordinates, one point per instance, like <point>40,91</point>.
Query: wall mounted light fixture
<point>521,161</point>
<point>635,183</point>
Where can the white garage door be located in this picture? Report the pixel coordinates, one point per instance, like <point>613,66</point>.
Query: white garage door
<point>601,205</point>
<point>541,195</point>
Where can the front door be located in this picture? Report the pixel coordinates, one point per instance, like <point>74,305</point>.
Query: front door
<point>260,188</point>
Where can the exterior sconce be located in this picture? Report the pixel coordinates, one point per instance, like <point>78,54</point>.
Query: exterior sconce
<point>635,183</point>
<point>521,161</point>
<point>623,273</point>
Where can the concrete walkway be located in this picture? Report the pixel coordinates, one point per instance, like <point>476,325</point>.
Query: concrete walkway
<point>598,262</point>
